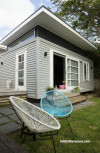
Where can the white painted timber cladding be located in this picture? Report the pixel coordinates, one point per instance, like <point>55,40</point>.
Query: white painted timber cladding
<point>44,66</point>
<point>7,70</point>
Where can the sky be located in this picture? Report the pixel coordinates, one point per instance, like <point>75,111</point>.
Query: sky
<point>13,12</point>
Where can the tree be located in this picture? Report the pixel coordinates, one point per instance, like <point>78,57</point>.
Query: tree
<point>82,15</point>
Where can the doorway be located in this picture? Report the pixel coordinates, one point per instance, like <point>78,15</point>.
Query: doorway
<point>59,70</point>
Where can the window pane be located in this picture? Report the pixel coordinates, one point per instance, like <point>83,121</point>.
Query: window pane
<point>20,74</point>
<point>21,82</point>
<point>74,63</point>
<point>19,58</point>
<point>73,76</point>
<point>27,36</point>
<point>74,83</point>
<point>74,69</point>
<point>21,66</point>
<point>22,57</point>
<point>84,71</point>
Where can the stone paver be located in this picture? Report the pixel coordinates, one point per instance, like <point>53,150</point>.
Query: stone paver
<point>82,104</point>
<point>10,127</point>
<point>1,115</point>
<point>4,120</point>
<point>15,118</point>
<point>6,111</point>
<point>9,122</point>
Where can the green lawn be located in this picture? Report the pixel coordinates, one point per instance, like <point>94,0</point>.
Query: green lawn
<point>85,124</point>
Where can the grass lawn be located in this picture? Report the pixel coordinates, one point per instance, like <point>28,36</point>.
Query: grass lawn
<point>85,124</point>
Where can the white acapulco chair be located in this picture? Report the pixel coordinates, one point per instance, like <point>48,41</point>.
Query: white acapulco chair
<point>34,119</point>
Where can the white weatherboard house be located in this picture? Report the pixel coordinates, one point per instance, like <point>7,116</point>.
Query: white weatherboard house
<point>44,51</point>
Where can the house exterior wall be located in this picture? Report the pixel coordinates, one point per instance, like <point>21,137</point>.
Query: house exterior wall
<point>50,36</point>
<point>44,66</point>
<point>8,69</point>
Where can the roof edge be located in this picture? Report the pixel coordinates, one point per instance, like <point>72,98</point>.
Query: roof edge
<point>43,8</point>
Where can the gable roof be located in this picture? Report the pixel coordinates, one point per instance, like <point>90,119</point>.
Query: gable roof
<point>51,22</point>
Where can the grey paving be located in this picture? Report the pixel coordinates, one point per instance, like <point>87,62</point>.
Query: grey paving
<point>9,122</point>
<point>4,120</point>
<point>6,111</point>
<point>82,104</point>
<point>15,118</point>
<point>10,127</point>
<point>1,115</point>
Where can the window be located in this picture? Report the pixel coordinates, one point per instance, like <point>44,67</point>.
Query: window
<point>72,75</point>
<point>85,71</point>
<point>21,70</point>
<point>22,39</point>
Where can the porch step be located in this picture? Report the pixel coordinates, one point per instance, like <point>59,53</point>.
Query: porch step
<point>77,99</point>
<point>72,94</point>
<point>4,96</point>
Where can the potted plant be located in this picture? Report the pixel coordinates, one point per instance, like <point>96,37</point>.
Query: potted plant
<point>77,90</point>
<point>50,88</point>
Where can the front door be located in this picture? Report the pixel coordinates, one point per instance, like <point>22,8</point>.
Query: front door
<point>21,70</point>
<point>59,71</point>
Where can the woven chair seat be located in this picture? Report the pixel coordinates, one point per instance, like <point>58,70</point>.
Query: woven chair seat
<point>56,104</point>
<point>36,119</point>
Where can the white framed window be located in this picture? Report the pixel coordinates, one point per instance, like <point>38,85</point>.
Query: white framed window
<point>86,74</point>
<point>21,70</point>
<point>72,72</point>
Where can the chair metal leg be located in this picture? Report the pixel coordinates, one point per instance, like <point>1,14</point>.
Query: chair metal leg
<point>22,130</point>
<point>23,139</point>
<point>25,134</point>
<point>53,144</point>
<point>69,125</point>
<point>34,136</point>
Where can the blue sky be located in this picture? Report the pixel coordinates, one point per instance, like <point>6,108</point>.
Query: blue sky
<point>13,12</point>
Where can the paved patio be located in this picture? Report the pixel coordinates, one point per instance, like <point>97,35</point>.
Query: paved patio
<point>9,122</point>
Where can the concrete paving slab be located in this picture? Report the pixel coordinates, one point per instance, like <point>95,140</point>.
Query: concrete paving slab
<point>14,117</point>
<point>82,105</point>
<point>6,111</point>
<point>4,120</point>
<point>1,115</point>
<point>10,127</point>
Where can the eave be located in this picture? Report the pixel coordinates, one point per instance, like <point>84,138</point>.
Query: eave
<point>48,20</point>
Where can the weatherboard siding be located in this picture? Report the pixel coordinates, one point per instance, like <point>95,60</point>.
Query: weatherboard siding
<point>7,70</point>
<point>44,66</point>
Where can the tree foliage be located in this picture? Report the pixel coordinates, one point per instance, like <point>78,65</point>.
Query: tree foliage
<point>83,15</point>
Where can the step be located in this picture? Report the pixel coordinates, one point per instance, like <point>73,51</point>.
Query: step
<point>77,99</point>
<point>12,93</point>
<point>72,94</point>
<point>7,97</point>
<point>4,100</point>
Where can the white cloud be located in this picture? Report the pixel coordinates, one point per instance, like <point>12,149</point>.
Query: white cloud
<point>13,12</point>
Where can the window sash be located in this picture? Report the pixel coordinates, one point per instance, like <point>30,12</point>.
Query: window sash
<point>72,75</point>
